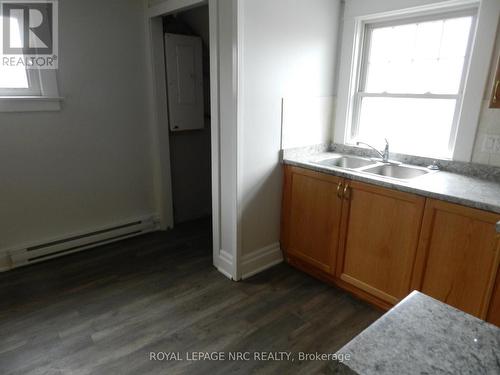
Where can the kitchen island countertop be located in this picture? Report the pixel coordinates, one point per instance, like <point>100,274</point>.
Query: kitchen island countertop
<point>421,335</point>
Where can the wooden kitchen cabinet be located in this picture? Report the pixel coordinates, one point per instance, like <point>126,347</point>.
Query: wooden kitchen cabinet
<point>457,258</point>
<point>381,244</point>
<point>311,217</point>
<point>378,247</point>
<point>494,310</point>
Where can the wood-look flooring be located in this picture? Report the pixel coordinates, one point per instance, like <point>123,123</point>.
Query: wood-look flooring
<point>104,310</point>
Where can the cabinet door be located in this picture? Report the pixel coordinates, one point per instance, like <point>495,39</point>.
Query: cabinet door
<point>311,217</point>
<point>494,310</point>
<point>457,257</point>
<point>380,242</point>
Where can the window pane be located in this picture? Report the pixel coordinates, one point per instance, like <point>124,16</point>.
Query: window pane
<point>428,40</point>
<point>412,126</point>
<point>447,76</point>
<point>14,77</point>
<point>419,58</point>
<point>391,43</point>
<point>455,37</point>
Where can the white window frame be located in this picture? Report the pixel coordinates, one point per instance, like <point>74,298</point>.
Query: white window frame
<point>42,95</point>
<point>360,93</point>
<point>475,76</point>
<point>33,86</point>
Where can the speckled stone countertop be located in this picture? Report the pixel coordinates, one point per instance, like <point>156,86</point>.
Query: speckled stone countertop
<point>452,187</point>
<point>421,335</point>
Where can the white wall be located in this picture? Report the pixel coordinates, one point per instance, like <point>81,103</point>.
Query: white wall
<point>89,164</point>
<point>307,121</point>
<point>288,49</point>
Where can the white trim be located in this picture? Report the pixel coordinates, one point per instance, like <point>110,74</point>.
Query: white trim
<point>343,116</point>
<point>260,260</point>
<point>239,78</point>
<point>411,96</point>
<point>213,19</point>
<point>422,10</point>
<point>477,79</point>
<point>225,131</point>
<point>48,83</point>
<point>225,272</point>
<point>173,6</point>
<point>159,122</point>
<point>225,264</point>
<point>48,100</point>
<point>475,83</point>
<point>409,16</point>
<point>465,70</point>
<point>29,104</point>
<point>223,73</point>
<point>228,131</point>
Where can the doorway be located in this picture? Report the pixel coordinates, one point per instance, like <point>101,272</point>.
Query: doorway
<point>223,123</point>
<point>187,57</point>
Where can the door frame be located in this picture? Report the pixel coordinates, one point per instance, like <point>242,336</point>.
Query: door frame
<point>224,134</point>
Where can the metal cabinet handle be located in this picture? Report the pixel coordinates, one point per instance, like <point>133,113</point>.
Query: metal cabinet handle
<point>345,195</point>
<point>339,186</point>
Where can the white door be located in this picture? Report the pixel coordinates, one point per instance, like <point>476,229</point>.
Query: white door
<point>184,81</point>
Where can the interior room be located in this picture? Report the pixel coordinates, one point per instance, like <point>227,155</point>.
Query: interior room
<point>250,186</point>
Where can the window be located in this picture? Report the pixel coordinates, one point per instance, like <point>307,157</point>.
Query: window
<point>23,89</point>
<point>18,81</point>
<point>410,83</point>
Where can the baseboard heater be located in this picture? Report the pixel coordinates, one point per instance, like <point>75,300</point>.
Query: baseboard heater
<point>81,241</point>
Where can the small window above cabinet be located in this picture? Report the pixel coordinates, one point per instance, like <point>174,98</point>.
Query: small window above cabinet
<point>495,94</point>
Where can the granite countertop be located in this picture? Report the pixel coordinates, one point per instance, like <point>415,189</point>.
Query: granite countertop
<point>452,187</point>
<point>421,335</point>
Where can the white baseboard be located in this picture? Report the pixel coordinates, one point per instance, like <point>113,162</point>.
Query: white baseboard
<point>224,263</point>
<point>260,260</point>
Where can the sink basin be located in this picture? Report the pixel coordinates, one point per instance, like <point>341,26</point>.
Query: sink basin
<point>346,162</point>
<point>397,171</point>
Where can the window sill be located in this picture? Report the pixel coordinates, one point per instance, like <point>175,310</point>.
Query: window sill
<point>29,103</point>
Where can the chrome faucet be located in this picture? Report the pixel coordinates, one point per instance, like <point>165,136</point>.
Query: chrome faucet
<point>384,155</point>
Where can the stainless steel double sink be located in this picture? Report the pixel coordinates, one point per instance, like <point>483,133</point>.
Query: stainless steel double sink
<point>391,170</point>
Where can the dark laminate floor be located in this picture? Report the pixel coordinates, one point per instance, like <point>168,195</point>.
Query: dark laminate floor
<point>102,311</point>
